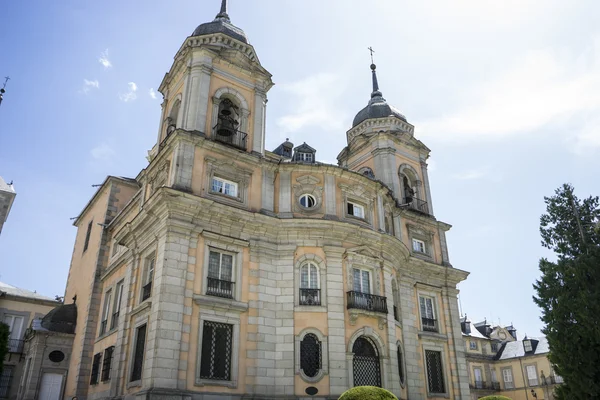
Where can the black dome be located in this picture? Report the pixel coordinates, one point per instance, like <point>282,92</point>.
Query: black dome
<point>221,24</point>
<point>61,319</point>
<point>377,108</point>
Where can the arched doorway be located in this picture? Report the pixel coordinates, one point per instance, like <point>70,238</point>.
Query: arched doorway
<point>365,363</point>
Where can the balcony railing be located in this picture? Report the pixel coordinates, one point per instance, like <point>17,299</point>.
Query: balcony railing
<point>496,385</point>
<point>417,204</point>
<point>429,324</point>
<point>15,346</point>
<point>310,297</point>
<point>219,288</point>
<point>552,380</point>
<point>235,138</point>
<point>485,385</point>
<point>103,327</point>
<point>146,291</point>
<point>366,301</point>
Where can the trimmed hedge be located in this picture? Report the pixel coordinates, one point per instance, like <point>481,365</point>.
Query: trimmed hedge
<point>495,398</point>
<point>367,393</point>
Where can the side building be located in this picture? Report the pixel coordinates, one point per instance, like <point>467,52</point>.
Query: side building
<point>224,270</point>
<point>18,308</point>
<point>501,364</point>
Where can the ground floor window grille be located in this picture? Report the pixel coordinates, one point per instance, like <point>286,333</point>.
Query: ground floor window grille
<point>435,374</point>
<point>217,341</point>
<point>95,368</point>
<point>5,380</point>
<point>108,355</point>
<point>365,363</point>
<point>138,354</point>
<point>310,355</point>
<point>400,366</point>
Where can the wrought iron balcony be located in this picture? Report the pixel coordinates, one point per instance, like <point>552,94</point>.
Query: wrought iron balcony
<point>310,297</point>
<point>481,385</point>
<point>366,301</point>
<point>232,137</point>
<point>146,291</point>
<point>15,346</point>
<point>103,327</point>
<point>417,204</point>
<point>495,385</point>
<point>219,288</point>
<point>429,324</point>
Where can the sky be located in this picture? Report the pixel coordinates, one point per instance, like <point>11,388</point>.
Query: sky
<point>505,94</point>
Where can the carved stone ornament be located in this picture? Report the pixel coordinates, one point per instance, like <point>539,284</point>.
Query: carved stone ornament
<point>159,177</point>
<point>308,186</point>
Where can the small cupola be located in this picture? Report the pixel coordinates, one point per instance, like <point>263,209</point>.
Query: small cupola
<point>513,332</point>
<point>304,153</point>
<point>285,149</point>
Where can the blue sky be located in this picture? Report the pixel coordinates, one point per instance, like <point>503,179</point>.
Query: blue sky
<point>506,94</point>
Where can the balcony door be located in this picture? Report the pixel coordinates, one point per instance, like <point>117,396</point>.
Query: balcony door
<point>15,326</point>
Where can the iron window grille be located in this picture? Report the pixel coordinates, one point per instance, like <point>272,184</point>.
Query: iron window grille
<point>365,363</point>
<point>5,381</point>
<point>366,301</point>
<point>310,297</point>
<point>219,288</point>
<point>146,291</point>
<point>310,355</point>
<point>106,364</point>
<point>400,366</point>
<point>95,368</point>
<point>217,341</point>
<point>138,354</point>
<point>435,374</point>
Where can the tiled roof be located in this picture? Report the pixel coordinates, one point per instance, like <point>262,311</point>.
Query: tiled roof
<point>515,349</point>
<point>475,332</point>
<point>15,291</point>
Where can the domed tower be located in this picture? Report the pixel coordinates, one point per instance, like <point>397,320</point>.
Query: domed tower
<point>381,144</point>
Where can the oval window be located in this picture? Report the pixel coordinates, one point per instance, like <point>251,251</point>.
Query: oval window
<point>307,201</point>
<point>56,356</point>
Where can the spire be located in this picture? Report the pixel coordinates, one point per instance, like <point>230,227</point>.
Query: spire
<point>223,13</point>
<point>376,92</point>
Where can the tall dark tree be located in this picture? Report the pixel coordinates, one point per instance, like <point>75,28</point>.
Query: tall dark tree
<point>568,292</point>
<point>4,334</point>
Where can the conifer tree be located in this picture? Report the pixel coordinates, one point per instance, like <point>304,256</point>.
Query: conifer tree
<point>4,335</point>
<point>568,292</point>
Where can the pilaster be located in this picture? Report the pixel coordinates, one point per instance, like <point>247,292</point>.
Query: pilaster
<point>330,200</point>
<point>285,194</point>
<point>426,186</point>
<point>458,364</point>
<point>260,114</point>
<point>197,96</point>
<point>394,378</point>
<point>410,328</point>
<point>268,191</point>
<point>182,166</point>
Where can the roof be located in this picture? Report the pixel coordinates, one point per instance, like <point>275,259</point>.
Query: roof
<point>221,24</point>
<point>5,187</point>
<point>304,148</point>
<point>515,349</point>
<point>61,319</point>
<point>474,332</point>
<point>15,291</point>
<point>377,108</point>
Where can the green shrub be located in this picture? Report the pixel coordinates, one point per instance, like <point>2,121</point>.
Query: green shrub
<point>367,393</point>
<point>495,398</point>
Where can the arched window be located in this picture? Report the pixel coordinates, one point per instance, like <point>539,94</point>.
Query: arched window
<point>228,118</point>
<point>366,367</point>
<point>171,122</point>
<point>310,355</point>
<point>396,300</point>
<point>400,365</point>
<point>310,293</point>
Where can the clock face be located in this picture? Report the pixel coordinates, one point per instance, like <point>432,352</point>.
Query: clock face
<point>502,335</point>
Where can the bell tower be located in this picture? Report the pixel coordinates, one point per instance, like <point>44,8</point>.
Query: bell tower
<point>216,88</point>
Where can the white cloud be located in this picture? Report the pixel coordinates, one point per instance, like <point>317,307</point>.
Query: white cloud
<point>103,152</point>
<point>104,60</point>
<point>131,94</point>
<point>316,99</point>
<point>471,174</point>
<point>548,87</point>
<point>152,93</point>
<point>87,85</point>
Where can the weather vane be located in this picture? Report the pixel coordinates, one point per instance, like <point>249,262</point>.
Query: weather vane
<point>3,90</point>
<point>372,51</point>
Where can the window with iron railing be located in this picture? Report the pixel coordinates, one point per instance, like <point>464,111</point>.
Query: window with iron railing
<point>366,301</point>
<point>427,308</point>
<point>95,368</point>
<point>310,293</point>
<point>217,342</point>
<point>435,373</point>
<point>220,275</point>
<point>106,364</point>
<point>147,278</point>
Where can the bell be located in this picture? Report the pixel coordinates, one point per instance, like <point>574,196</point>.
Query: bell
<point>227,127</point>
<point>226,110</point>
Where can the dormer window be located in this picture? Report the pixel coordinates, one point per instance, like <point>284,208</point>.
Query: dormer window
<point>306,157</point>
<point>304,153</point>
<point>527,346</point>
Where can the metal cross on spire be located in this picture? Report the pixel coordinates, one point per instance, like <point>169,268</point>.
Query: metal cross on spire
<point>372,51</point>
<point>375,83</point>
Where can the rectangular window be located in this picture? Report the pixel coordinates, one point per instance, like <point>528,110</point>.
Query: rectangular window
<point>308,157</point>
<point>356,210</point>
<point>220,274</point>
<point>494,347</point>
<point>362,281</point>
<point>223,186</point>
<point>105,312</point>
<point>87,236</point>
<point>147,278</point>
<point>5,380</point>
<point>494,377</point>
<point>508,378</point>
<point>473,345</point>
<point>217,345</point>
<point>478,376</point>
<point>419,246</point>
<point>106,364</point>
<point>532,375</point>
<point>117,305</point>
<point>95,368</point>
<point>435,374</point>
<point>138,354</point>
<point>428,321</point>
<point>15,328</point>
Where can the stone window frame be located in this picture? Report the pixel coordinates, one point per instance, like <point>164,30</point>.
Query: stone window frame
<point>237,99</point>
<point>224,182</point>
<point>475,375</point>
<point>150,252</point>
<point>396,301</point>
<point>225,246</point>
<point>324,370</point>
<point>426,236</point>
<point>473,345</point>
<point>370,333</point>
<point>364,262</point>
<point>429,346</point>
<point>537,375</point>
<point>321,266</point>
<point>229,171</point>
<point>437,311</point>
<point>366,171</point>
<point>512,377</point>
<point>106,307</point>
<point>402,363</point>
<point>139,322</point>
<point>413,177</point>
<point>308,184</point>
<point>235,349</point>
<point>358,195</point>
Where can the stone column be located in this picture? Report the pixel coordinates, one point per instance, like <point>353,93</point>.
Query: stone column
<point>182,166</point>
<point>398,226</point>
<point>458,364</point>
<point>444,247</point>
<point>285,194</point>
<point>330,200</point>
<point>284,316</point>
<point>268,192</point>
<point>426,185</point>
<point>338,375</point>
<point>380,213</point>
<point>260,113</point>
<point>197,97</point>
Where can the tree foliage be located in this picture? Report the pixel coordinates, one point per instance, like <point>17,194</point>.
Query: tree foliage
<point>568,292</point>
<point>495,398</point>
<point>4,335</point>
<point>367,393</point>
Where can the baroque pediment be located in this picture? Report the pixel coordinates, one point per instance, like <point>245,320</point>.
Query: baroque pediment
<point>364,251</point>
<point>307,180</point>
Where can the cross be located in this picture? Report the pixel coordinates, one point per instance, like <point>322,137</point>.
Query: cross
<point>372,51</point>
<point>6,79</point>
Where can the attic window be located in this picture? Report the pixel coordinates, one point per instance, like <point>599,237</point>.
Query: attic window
<point>306,157</point>
<point>527,345</point>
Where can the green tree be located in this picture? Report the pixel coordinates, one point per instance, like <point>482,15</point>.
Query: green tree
<point>568,292</point>
<point>367,393</point>
<point>4,334</point>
